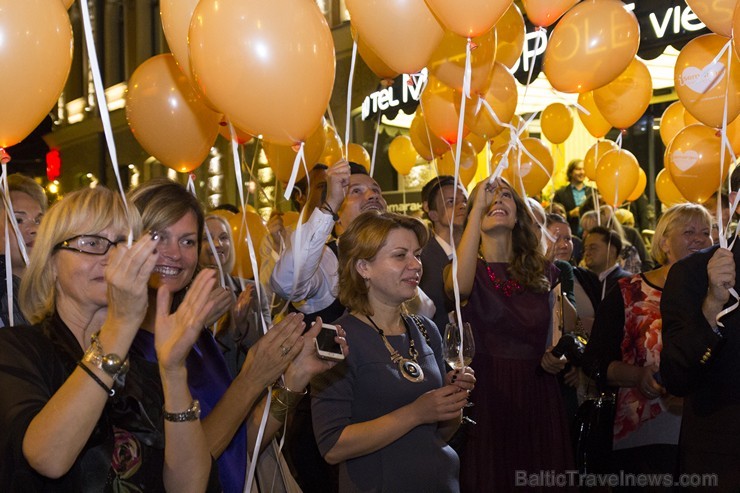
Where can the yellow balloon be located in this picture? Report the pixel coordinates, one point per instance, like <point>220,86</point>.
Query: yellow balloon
<point>402,154</point>
<point>594,122</point>
<point>694,159</point>
<point>592,43</point>
<point>468,163</point>
<point>617,174</point>
<point>358,154</point>
<point>510,36</point>
<point>448,61</point>
<point>639,188</point>
<point>531,169</point>
<point>556,122</point>
<point>594,154</point>
<point>281,158</point>
<point>623,101</point>
<point>671,122</point>
<point>333,147</point>
<point>501,96</point>
<point>666,190</point>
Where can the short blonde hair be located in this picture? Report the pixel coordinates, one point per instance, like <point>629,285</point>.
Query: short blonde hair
<point>231,258</point>
<point>364,238</point>
<point>25,184</point>
<point>674,217</point>
<point>86,211</point>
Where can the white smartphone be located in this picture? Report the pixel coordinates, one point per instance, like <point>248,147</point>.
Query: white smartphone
<point>326,346</point>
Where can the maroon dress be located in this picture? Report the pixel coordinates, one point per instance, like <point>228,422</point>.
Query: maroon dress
<point>521,424</point>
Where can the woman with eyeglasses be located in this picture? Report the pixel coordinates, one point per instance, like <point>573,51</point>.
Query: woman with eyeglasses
<point>232,407</point>
<point>246,316</point>
<point>78,412</point>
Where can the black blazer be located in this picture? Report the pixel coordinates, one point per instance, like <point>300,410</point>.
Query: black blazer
<point>564,196</point>
<point>434,260</point>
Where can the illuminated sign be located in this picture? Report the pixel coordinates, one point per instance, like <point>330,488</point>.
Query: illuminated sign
<point>403,94</point>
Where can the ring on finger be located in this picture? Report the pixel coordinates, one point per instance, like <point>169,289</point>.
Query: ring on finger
<point>284,350</point>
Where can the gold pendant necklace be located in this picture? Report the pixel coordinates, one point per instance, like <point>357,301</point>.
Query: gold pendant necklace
<point>409,367</point>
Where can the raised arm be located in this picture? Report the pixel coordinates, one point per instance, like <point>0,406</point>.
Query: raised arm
<point>187,460</point>
<point>467,251</point>
<point>57,434</point>
<point>305,267</point>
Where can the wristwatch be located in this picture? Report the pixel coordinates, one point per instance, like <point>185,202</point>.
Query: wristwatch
<point>191,414</point>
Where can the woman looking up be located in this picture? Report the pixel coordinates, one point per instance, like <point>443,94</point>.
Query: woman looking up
<point>505,283</point>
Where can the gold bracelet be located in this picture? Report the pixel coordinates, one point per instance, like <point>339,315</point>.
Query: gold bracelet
<point>284,400</point>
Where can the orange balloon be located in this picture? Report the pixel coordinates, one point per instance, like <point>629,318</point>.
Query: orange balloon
<point>671,122</point>
<point>545,12</point>
<point>403,33</point>
<point>733,135</point>
<point>617,174</point>
<point>167,117</point>
<point>425,142</point>
<point>479,143</point>
<point>594,154</point>
<point>501,96</point>
<point>176,16</point>
<point>556,122</point>
<point>448,61</point>
<point>666,190</point>
<point>257,231</point>
<point>242,137</point>
<point>715,14</point>
<point>358,154</point>
<point>504,137</point>
<point>594,122</point>
<point>523,170</point>
<point>623,101</point>
<point>371,59</point>
<point>704,86</point>
<point>281,158</point>
<point>591,45</point>
<point>36,55</point>
<point>269,66</point>
<point>510,36</point>
<point>333,147</point>
<point>694,161</point>
<point>402,154</point>
<point>440,103</point>
<point>468,163</point>
<point>470,18</point>
<point>640,187</point>
<point>290,218</point>
<point>736,29</point>
<point>688,118</point>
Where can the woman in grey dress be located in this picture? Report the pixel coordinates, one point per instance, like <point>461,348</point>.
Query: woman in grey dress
<point>385,414</point>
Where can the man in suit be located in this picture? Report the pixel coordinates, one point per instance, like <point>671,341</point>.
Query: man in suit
<point>573,194</point>
<point>700,359</point>
<point>601,250</point>
<point>444,205</point>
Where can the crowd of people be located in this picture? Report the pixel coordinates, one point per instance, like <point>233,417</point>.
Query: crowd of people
<point>133,359</point>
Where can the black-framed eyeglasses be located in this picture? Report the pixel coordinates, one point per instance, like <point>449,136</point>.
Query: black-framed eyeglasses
<point>90,244</point>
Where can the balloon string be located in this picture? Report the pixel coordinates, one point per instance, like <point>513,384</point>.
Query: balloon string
<point>531,67</point>
<point>294,173</point>
<point>103,107</point>
<point>349,95</point>
<point>8,261</point>
<point>10,215</point>
<point>375,144</point>
<point>722,234</point>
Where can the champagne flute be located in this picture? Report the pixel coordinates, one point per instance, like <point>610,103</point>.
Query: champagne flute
<point>458,352</point>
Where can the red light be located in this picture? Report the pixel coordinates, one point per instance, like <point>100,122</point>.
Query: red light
<point>53,164</point>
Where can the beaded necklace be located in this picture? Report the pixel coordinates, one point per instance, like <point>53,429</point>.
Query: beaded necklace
<point>508,287</point>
